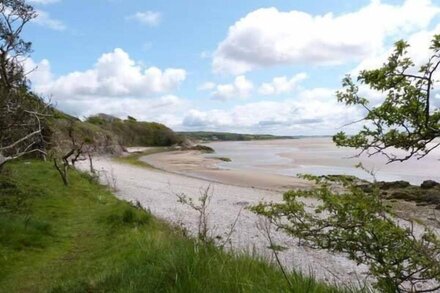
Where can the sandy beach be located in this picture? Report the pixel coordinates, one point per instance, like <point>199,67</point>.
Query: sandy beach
<point>232,191</point>
<point>156,190</point>
<point>195,164</point>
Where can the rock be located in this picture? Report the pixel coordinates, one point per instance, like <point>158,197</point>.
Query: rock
<point>186,143</point>
<point>366,187</point>
<point>402,195</point>
<point>199,147</point>
<point>432,197</point>
<point>395,184</point>
<point>242,203</point>
<point>427,184</point>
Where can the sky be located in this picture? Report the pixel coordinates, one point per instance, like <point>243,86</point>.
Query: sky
<point>249,66</point>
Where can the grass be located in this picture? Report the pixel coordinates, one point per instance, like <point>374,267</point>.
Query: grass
<point>134,158</point>
<point>82,239</point>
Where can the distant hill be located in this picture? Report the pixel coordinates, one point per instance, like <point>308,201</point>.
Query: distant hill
<point>226,136</point>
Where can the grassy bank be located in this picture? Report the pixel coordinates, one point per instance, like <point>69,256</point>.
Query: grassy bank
<point>83,239</point>
<point>134,158</point>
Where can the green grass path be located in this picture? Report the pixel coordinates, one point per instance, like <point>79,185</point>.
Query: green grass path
<point>83,239</point>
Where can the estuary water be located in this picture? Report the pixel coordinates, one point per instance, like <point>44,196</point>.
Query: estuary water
<point>320,156</point>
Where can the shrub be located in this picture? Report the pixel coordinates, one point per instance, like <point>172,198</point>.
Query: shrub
<point>362,226</point>
<point>129,216</point>
<point>201,148</point>
<point>135,133</point>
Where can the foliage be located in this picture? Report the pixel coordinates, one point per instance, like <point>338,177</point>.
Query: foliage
<point>79,148</point>
<point>407,119</point>
<point>201,148</point>
<point>134,133</point>
<point>23,125</point>
<point>83,239</point>
<point>14,15</point>
<point>96,139</point>
<point>201,207</point>
<point>362,226</point>
<point>22,128</point>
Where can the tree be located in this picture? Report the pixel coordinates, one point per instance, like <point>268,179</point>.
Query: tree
<point>14,15</point>
<point>22,125</point>
<point>77,151</point>
<point>407,119</point>
<point>21,112</point>
<point>363,227</point>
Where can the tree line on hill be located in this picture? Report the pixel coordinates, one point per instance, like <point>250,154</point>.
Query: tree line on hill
<point>227,136</point>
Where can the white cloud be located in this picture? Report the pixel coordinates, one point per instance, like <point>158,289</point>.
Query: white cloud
<point>164,109</point>
<point>314,111</point>
<point>44,19</point>
<point>240,88</point>
<point>119,86</point>
<point>115,84</point>
<point>150,18</point>
<point>268,37</point>
<point>207,86</point>
<point>114,75</point>
<point>43,2</point>
<point>39,73</point>
<point>281,85</point>
<point>418,51</point>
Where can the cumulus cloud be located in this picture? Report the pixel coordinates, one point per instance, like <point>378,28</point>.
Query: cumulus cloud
<point>240,88</point>
<point>164,109</point>
<point>39,73</point>
<point>115,84</point>
<point>150,18</point>
<point>314,111</point>
<point>44,19</point>
<point>115,74</point>
<point>281,85</point>
<point>418,51</point>
<point>267,36</point>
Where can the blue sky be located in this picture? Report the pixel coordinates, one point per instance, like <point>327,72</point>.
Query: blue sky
<point>247,66</point>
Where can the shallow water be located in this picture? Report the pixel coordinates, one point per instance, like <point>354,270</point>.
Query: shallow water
<point>319,156</point>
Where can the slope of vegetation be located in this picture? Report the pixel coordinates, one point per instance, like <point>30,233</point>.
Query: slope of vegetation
<point>63,128</point>
<point>101,134</point>
<point>83,239</point>
<point>131,132</point>
<point>226,136</point>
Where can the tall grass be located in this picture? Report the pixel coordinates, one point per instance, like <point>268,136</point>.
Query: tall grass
<point>82,239</point>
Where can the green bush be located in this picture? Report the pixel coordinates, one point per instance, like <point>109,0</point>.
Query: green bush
<point>129,216</point>
<point>362,226</point>
<point>131,132</point>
